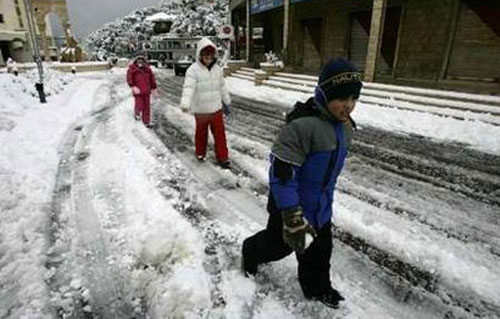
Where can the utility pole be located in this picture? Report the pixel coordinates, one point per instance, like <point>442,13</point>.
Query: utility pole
<point>248,31</point>
<point>286,29</point>
<point>36,48</point>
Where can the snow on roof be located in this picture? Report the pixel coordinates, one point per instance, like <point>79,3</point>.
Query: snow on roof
<point>161,16</point>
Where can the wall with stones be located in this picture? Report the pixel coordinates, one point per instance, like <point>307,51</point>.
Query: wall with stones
<point>334,16</point>
<point>425,31</point>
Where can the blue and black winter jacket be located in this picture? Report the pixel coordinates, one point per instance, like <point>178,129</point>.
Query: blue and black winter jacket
<point>306,160</point>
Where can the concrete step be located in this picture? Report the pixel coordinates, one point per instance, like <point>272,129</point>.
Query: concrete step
<point>247,69</point>
<point>243,77</point>
<point>291,80</point>
<point>288,86</point>
<point>423,97</point>
<point>243,72</point>
<point>392,103</point>
<point>444,101</point>
<point>387,99</point>
<point>438,94</point>
<point>298,76</point>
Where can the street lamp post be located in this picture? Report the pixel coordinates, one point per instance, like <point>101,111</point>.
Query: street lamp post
<point>36,48</point>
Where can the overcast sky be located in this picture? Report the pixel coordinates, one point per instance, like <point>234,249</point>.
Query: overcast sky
<point>89,15</point>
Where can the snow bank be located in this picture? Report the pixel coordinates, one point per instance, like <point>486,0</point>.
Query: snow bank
<point>30,134</point>
<point>22,87</point>
<point>161,16</point>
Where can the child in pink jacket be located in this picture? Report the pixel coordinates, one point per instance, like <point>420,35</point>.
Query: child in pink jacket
<point>142,81</point>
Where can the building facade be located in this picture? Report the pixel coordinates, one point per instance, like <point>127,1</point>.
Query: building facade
<point>41,11</point>
<point>15,40</point>
<point>448,44</point>
<point>168,50</point>
<point>14,36</point>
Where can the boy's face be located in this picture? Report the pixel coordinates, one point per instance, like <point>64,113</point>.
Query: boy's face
<point>140,63</point>
<point>342,108</point>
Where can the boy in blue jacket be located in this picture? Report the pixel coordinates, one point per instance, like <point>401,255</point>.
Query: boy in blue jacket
<point>306,159</point>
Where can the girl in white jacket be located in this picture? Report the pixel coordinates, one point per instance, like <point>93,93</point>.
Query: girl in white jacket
<point>203,93</point>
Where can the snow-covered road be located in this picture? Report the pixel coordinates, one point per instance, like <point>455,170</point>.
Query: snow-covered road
<point>397,185</point>
<point>135,227</point>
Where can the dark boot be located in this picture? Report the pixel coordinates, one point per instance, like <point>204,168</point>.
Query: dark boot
<point>331,298</point>
<point>248,268</point>
<point>225,165</point>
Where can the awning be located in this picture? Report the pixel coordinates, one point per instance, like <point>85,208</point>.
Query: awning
<point>6,35</point>
<point>258,6</point>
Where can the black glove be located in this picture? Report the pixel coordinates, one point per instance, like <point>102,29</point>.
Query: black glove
<point>295,228</point>
<point>226,109</point>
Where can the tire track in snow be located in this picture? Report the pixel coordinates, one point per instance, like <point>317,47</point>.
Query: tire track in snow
<point>442,170</point>
<point>466,233</point>
<point>390,268</point>
<point>454,167</point>
<point>387,262</point>
<point>472,173</point>
<point>222,245</point>
<point>82,282</point>
<point>176,139</point>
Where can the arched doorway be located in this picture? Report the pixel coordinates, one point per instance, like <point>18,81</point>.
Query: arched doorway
<point>41,10</point>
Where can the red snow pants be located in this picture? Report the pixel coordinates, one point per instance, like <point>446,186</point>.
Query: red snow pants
<point>143,106</point>
<point>216,123</point>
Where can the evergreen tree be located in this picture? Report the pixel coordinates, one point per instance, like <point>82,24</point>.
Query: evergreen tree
<point>121,37</point>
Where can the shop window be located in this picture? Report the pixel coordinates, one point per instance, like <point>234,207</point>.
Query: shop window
<point>257,33</point>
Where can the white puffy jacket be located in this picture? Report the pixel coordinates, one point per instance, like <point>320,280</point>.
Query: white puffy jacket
<point>204,89</point>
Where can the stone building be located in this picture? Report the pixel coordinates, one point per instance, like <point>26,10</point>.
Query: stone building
<point>41,11</point>
<point>14,36</point>
<point>449,44</point>
<point>15,40</point>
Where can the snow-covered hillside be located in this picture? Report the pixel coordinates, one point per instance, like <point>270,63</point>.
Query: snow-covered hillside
<point>189,18</point>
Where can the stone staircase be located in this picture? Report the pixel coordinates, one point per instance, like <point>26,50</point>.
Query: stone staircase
<point>245,73</point>
<point>446,103</point>
<point>416,99</point>
<point>290,81</point>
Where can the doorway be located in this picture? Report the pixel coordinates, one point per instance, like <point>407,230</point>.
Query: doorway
<point>312,44</point>
<point>4,50</point>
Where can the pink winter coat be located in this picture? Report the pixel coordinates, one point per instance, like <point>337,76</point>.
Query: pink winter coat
<point>143,78</point>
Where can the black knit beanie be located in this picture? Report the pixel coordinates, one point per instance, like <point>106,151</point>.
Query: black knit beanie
<point>340,79</point>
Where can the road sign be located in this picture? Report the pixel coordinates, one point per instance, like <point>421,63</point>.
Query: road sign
<point>226,32</point>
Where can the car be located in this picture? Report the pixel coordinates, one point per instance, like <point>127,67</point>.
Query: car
<point>182,64</point>
<point>154,63</point>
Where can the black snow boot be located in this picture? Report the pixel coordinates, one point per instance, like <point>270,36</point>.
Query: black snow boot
<point>225,165</point>
<point>331,298</point>
<point>248,268</point>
